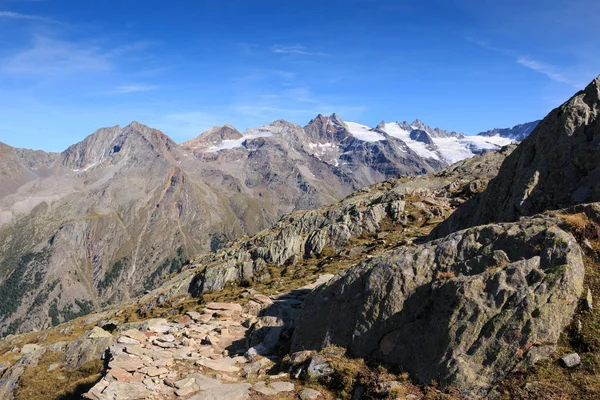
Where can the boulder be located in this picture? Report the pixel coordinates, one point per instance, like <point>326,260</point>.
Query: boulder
<point>319,367</point>
<point>464,310</point>
<point>92,345</point>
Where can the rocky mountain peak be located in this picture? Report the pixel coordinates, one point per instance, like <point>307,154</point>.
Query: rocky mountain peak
<point>115,143</point>
<point>327,129</point>
<point>556,166</point>
<point>214,136</point>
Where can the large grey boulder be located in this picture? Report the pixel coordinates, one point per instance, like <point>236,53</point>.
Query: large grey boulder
<point>557,166</point>
<point>92,345</point>
<point>464,310</point>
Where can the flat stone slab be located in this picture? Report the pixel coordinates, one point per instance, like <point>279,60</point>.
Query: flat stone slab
<point>233,391</point>
<point>283,386</point>
<point>134,334</point>
<point>218,365</point>
<point>126,391</point>
<point>309,394</point>
<point>129,364</point>
<point>265,390</point>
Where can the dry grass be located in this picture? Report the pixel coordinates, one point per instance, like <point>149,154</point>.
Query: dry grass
<point>445,275</point>
<point>40,384</point>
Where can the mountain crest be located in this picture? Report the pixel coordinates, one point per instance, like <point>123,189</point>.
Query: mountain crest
<point>330,129</point>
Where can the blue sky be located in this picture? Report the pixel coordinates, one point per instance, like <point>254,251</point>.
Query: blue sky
<point>70,67</point>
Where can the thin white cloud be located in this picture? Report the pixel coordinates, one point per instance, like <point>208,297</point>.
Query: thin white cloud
<point>15,15</point>
<point>545,69</point>
<point>49,57</point>
<point>56,57</point>
<point>132,89</point>
<point>301,50</point>
<point>548,70</point>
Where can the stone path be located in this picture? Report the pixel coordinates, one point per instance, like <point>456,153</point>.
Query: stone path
<point>224,352</point>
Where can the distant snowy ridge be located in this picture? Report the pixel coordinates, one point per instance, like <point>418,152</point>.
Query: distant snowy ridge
<point>326,138</point>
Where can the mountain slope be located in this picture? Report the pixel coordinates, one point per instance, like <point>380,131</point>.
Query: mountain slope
<point>19,166</point>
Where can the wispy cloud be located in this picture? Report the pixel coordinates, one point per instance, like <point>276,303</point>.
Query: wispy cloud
<point>132,89</point>
<point>549,70</point>
<point>301,50</point>
<point>54,57</point>
<point>16,15</point>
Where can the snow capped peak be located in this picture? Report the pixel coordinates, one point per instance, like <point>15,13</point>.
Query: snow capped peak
<point>326,136</point>
<point>364,133</point>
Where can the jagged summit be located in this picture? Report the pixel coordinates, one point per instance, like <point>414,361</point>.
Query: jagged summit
<point>518,132</point>
<point>327,129</point>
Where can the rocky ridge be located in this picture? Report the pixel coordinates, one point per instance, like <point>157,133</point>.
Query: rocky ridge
<point>464,310</point>
<point>517,132</point>
<point>556,166</point>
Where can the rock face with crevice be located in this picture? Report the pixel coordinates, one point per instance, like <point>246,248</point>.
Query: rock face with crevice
<point>465,310</point>
<point>557,166</point>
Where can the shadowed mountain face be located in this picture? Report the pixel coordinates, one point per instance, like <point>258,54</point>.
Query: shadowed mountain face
<point>517,132</point>
<point>114,214</point>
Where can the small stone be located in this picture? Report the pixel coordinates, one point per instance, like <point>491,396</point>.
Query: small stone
<point>301,356</point>
<point>589,301</point>
<point>571,360</point>
<point>166,339</point>
<point>218,365</point>
<point>186,319</point>
<point>386,388</point>
<point>193,315</point>
<point>319,367</point>
<point>135,350</point>
<point>263,389</point>
<point>29,348</point>
<point>128,363</point>
<point>134,334</point>
<point>52,367</point>
<point>97,332</point>
<point>186,391</point>
<point>283,386</point>
<point>152,372</point>
<point>127,340</point>
<point>309,394</point>
<point>233,391</point>
<point>121,375</point>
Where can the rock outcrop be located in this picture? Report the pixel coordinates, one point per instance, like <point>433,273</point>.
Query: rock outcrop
<point>307,234</point>
<point>464,310</point>
<point>556,166</point>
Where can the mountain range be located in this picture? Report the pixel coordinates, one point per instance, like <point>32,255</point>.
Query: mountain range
<point>114,214</point>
